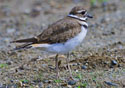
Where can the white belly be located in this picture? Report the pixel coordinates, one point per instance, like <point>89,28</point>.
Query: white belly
<point>69,45</point>
<point>63,48</point>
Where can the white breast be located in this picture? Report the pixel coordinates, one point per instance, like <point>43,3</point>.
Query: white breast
<point>67,46</point>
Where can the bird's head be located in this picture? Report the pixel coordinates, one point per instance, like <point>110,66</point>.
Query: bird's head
<point>80,13</point>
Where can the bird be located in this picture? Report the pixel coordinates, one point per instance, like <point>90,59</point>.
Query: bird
<point>61,37</point>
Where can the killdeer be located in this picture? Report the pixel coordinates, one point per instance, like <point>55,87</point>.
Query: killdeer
<point>62,36</point>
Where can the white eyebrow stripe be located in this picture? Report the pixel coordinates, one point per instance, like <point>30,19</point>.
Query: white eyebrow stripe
<point>81,18</point>
<point>80,11</point>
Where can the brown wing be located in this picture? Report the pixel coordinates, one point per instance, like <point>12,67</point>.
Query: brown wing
<point>60,31</point>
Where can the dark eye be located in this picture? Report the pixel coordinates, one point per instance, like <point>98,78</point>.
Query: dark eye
<point>83,12</point>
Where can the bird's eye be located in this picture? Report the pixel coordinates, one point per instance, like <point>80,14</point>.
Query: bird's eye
<point>83,12</point>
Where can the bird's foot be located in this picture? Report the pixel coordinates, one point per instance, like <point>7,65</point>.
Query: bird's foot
<point>71,77</point>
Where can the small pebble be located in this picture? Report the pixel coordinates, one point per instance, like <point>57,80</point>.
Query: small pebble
<point>48,87</point>
<point>40,85</point>
<point>119,65</point>
<point>35,12</point>
<point>51,67</point>
<point>6,11</point>
<point>74,64</point>
<point>25,81</point>
<point>114,62</point>
<point>11,30</point>
<point>11,86</point>
<point>71,82</point>
<point>44,65</point>
<point>9,62</point>
<point>110,83</point>
<point>21,68</point>
<point>45,81</point>
<point>78,63</point>
<point>76,70</point>
<point>37,80</point>
<point>84,67</point>
<point>106,62</point>
<point>27,11</point>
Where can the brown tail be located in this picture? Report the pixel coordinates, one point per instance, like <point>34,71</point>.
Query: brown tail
<point>31,40</point>
<point>24,46</point>
<point>27,42</point>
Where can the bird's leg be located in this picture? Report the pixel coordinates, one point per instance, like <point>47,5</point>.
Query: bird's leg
<point>67,61</point>
<point>57,67</point>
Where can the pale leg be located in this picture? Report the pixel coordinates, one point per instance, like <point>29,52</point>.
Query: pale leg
<point>67,61</point>
<point>57,67</point>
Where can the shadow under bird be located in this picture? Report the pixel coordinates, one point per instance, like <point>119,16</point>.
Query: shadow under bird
<point>60,37</point>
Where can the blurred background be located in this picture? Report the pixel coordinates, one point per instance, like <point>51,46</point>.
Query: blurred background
<point>103,48</point>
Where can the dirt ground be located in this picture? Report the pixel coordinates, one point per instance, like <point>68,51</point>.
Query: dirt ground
<point>98,63</point>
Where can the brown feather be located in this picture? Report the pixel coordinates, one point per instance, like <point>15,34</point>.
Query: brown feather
<point>24,46</point>
<point>25,40</point>
<point>60,32</point>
